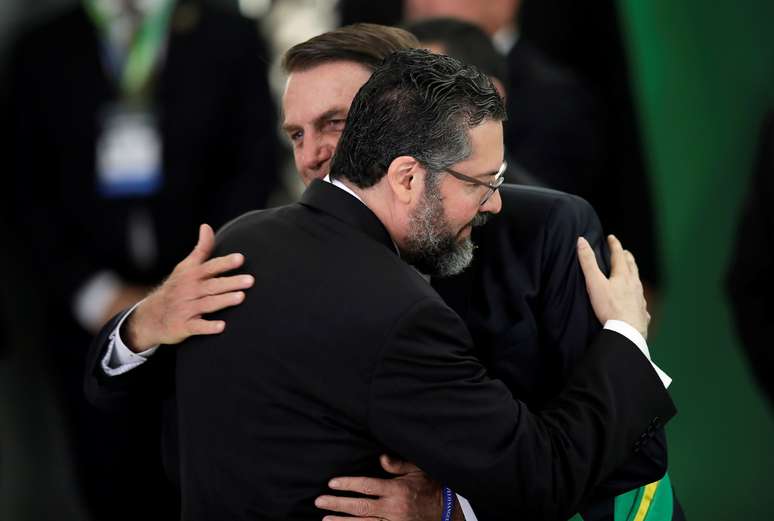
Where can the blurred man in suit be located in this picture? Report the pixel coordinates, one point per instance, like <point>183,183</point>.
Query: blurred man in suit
<point>132,122</point>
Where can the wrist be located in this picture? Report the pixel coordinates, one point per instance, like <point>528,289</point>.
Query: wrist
<point>457,513</point>
<point>133,332</point>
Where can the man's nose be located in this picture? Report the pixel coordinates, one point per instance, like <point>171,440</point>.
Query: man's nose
<point>316,153</point>
<point>494,204</point>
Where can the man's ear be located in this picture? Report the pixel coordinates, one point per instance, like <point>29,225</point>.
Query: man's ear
<point>406,177</point>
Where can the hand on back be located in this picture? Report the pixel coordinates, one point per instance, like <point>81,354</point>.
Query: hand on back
<point>173,311</point>
<point>411,495</point>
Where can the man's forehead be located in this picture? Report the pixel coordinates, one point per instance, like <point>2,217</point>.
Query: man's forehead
<point>487,149</point>
<point>319,89</point>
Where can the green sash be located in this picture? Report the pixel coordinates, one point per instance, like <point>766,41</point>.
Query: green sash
<point>652,502</point>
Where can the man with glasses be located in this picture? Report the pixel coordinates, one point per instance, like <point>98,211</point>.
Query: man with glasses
<point>314,136</point>
<point>499,179</point>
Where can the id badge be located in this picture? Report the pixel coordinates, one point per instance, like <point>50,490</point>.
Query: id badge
<point>128,153</point>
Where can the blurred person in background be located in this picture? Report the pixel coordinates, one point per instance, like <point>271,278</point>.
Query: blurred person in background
<point>750,278</point>
<point>132,122</point>
<point>587,38</point>
<point>529,342</point>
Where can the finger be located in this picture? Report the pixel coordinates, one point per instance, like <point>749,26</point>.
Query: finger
<point>220,265</point>
<point>362,485</point>
<point>204,245</point>
<point>397,466</point>
<point>632,263</point>
<point>199,326</point>
<point>217,302</point>
<point>360,506</point>
<point>588,262</point>
<point>617,256</point>
<point>218,285</point>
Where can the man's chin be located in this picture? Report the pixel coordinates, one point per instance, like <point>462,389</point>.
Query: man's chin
<point>308,177</point>
<point>446,264</point>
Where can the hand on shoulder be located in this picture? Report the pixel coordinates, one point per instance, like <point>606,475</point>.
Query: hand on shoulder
<point>173,311</point>
<point>619,297</point>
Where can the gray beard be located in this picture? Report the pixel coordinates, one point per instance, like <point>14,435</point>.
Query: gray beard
<point>431,247</point>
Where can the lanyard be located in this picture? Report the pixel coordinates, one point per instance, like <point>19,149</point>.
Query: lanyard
<point>146,46</point>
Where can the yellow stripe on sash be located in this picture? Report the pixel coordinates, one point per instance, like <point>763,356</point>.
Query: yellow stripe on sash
<point>647,498</point>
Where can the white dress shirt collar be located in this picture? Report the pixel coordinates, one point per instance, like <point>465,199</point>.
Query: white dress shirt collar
<point>336,182</point>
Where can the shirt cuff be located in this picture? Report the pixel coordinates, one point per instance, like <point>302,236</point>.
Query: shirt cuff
<point>632,334</point>
<point>467,510</point>
<point>119,358</point>
<point>94,297</point>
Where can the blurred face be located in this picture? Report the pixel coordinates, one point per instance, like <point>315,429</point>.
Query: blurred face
<point>315,105</point>
<point>438,238</point>
<point>490,15</point>
<point>132,6</point>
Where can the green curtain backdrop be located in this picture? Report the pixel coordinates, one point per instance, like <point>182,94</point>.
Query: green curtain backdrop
<point>704,76</point>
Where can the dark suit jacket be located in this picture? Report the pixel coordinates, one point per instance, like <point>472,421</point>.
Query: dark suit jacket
<point>348,351</point>
<point>525,303</point>
<point>524,296</point>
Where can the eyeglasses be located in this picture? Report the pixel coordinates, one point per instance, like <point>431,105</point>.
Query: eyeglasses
<point>492,187</point>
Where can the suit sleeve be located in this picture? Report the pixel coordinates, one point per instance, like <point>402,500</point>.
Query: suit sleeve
<point>432,402</point>
<point>147,384</point>
<point>567,322</point>
<point>569,325</point>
